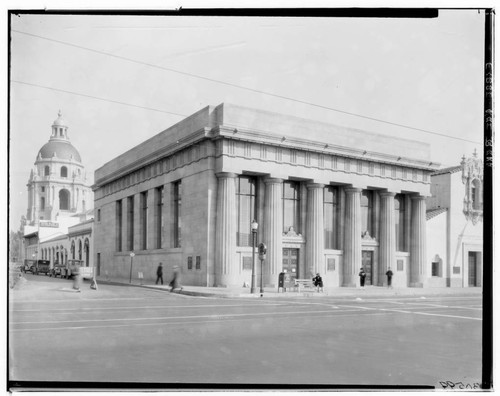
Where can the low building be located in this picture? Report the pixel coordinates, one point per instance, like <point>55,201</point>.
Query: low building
<point>455,225</point>
<point>327,199</point>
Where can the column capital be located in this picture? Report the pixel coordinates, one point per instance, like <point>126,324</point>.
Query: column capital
<point>312,185</point>
<point>273,180</point>
<point>387,194</point>
<point>222,175</point>
<point>417,197</point>
<point>353,190</point>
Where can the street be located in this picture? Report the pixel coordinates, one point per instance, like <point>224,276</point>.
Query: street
<point>132,334</point>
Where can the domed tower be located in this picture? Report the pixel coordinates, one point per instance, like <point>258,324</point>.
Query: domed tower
<point>57,186</point>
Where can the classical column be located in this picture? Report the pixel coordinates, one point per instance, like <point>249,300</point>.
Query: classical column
<point>315,233</point>
<point>273,230</point>
<point>225,238</point>
<point>352,236</point>
<point>417,242</point>
<point>387,239</point>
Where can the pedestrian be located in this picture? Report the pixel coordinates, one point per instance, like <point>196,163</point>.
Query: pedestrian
<point>175,283</point>
<point>389,278</point>
<point>77,277</point>
<point>159,273</point>
<point>362,276</point>
<point>318,282</point>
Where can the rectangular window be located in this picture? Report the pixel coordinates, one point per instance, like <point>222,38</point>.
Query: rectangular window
<point>435,268</point>
<point>399,220</point>
<point>130,223</point>
<point>291,206</point>
<point>330,213</point>
<point>245,202</point>
<point>98,214</point>
<point>198,262</point>
<point>177,214</point>
<point>119,226</point>
<point>98,264</point>
<point>144,220</point>
<point>158,215</point>
<point>190,263</point>
<point>43,189</point>
<point>366,211</point>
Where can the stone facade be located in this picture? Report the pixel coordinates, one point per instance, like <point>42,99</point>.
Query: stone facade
<point>328,199</point>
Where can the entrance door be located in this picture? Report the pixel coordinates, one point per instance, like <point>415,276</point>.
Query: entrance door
<point>291,261</point>
<point>367,264</point>
<point>472,269</point>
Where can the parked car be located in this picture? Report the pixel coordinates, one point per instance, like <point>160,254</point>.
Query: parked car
<point>43,267</point>
<point>36,266</point>
<point>29,266</point>
<point>59,270</point>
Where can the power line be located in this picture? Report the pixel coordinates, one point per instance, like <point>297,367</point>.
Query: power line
<point>235,86</point>
<point>96,97</point>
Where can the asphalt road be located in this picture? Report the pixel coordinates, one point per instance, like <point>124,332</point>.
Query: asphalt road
<point>122,334</point>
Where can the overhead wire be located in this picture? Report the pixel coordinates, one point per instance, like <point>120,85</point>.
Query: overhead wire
<point>224,83</point>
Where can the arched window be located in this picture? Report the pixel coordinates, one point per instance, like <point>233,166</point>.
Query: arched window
<point>64,200</point>
<point>79,250</point>
<point>64,171</point>
<point>47,171</point>
<point>73,250</point>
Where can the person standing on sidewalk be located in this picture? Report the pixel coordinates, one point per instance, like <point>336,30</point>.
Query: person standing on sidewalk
<point>362,276</point>
<point>318,282</point>
<point>389,278</point>
<point>159,274</point>
<point>175,283</point>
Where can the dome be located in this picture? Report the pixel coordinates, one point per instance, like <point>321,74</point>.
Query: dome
<point>62,149</point>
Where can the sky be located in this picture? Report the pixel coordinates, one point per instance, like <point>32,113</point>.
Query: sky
<point>119,80</point>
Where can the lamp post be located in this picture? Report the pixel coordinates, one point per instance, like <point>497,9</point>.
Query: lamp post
<point>132,254</point>
<point>254,226</point>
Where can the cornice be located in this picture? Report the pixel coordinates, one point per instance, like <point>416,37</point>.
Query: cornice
<point>288,142</point>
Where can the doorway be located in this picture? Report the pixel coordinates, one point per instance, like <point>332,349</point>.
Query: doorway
<point>367,264</point>
<point>291,261</point>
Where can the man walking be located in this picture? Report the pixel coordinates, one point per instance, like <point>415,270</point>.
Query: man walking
<point>159,274</point>
<point>389,278</point>
<point>362,276</point>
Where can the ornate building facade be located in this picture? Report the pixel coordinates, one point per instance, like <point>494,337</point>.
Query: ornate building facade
<point>327,199</point>
<point>454,221</point>
<point>59,197</point>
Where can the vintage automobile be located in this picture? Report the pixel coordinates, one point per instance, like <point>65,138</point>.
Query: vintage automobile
<point>29,266</point>
<point>36,267</point>
<point>43,267</point>
<point>58,270</point>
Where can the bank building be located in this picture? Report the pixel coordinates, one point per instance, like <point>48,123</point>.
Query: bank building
<point>59,221</point>
<point>326,199</point>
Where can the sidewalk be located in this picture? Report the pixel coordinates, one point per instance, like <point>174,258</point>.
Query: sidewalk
<point>341,292</point>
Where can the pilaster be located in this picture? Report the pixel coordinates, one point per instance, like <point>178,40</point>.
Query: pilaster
<point>225,239</point>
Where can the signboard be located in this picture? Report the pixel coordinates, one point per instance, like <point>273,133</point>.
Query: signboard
<point>49,224</point>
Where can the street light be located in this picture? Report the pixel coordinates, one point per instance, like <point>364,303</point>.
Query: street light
<point>254,226</point>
